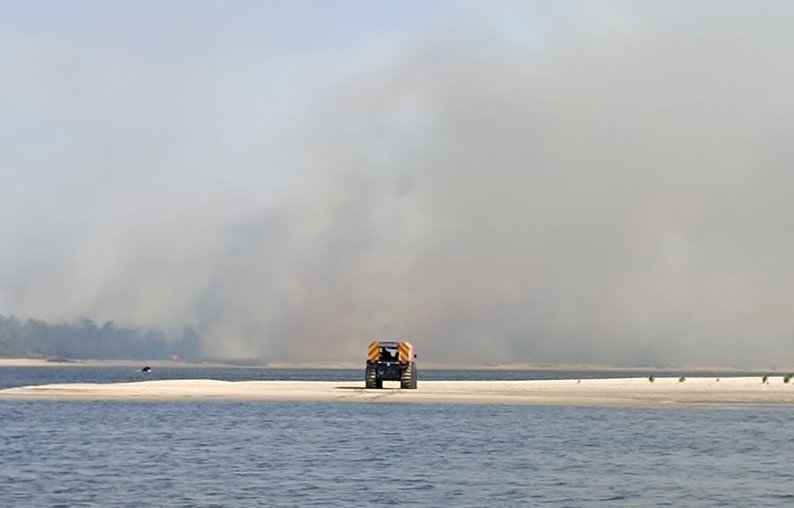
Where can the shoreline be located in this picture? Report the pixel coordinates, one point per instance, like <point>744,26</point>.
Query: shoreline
<point>539,367</point>
<point>664,391</point>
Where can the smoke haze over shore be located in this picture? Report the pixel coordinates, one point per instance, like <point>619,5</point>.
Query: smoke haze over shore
<point>513,182</point>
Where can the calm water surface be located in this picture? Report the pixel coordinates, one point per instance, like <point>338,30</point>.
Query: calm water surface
<point>183,454</point>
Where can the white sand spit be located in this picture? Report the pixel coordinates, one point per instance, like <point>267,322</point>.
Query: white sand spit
<point>619,392</point>
<point>27,362</point>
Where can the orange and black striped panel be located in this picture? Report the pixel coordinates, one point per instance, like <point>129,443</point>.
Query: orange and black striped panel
<point>405,352</point>
<point>373,353</point>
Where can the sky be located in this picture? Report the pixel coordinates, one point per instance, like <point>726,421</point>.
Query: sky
<point>550,182</point>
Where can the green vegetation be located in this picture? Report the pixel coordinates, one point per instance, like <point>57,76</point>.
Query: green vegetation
<point>765,379</point>
<point>84,339</point>
<point>787,378</point>
<point>681,379</point>
<point>651,378</point>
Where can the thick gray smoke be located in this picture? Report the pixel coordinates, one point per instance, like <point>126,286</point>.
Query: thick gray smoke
<point>560,182</point>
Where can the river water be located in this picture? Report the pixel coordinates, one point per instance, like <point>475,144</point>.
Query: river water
<point>240,454</point>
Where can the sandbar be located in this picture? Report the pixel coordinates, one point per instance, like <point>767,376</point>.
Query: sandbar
<point>584,392</point>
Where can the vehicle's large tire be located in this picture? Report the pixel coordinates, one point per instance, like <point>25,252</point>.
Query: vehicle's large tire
<point>371,378</point>
<point>414,376</point>
<point>408,378</point>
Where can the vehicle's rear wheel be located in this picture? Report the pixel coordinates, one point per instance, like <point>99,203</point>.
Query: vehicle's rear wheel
<point>408,378</point>
<point>371,378</point>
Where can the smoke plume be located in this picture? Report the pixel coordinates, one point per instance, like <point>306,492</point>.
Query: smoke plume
<point>546,182</point>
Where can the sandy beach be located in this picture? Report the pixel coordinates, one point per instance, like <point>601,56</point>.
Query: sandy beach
<point>586,392</point>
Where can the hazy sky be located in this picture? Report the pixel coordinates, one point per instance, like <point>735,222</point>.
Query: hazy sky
<point>496,181</point>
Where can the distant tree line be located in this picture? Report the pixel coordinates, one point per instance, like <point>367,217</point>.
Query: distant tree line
<point>85,339</point>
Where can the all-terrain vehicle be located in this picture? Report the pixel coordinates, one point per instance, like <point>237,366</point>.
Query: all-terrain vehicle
<point>390,361</point>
